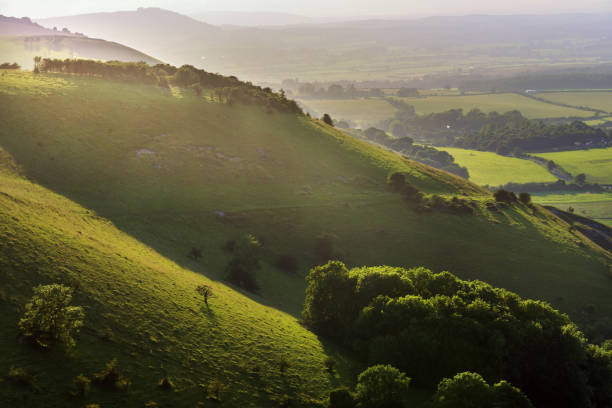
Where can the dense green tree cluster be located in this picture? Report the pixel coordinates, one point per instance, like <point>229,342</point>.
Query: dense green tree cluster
<point>470,390</point>
<point>227,89</point>
<point>502,133</point>
<point>432,326</point>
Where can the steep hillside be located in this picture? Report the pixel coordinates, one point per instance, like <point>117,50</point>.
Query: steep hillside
<point>176,171</point>
<point>142,309</point>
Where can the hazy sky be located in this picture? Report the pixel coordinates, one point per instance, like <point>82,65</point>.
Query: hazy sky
<point>316,8</point>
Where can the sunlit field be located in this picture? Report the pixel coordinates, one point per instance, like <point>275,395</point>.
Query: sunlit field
<point>595,163</point>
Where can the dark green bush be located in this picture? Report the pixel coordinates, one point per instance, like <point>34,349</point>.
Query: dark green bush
<point>287,263</point>
<point>111,377</point>
<point>525,198</point>
<point>382,386</point>
<point>81,385</point>
<point>505,196</point>
<point>341,398</point>
<point>166,383</point>
<point>21,376</point>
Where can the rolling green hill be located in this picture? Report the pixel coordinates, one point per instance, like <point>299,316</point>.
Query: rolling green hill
<point>22,49</point>
<point>123,180</point>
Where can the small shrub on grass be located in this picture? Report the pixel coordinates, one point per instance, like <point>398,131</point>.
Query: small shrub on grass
<point>151,404</point>
<point>287,263</point>
<point>330,364</point>
<point>111,377</point>
<point>525,198</point>
<point>504,196</point>
<point>21,376</point>
<point>341,398</point>
<point>205,291</point>
<point>49,319</point>
<point>195,253</point>
<point>397,182</point>
<point>81,386</point>
<point>286,401</point>
<point>214,390</point>
<point>166,383</point>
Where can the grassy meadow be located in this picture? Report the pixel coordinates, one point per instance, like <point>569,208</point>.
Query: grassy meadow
<point>595,206</point>
<point>501,103</point>
<point>106,186</point>
<point>487,168</point>
<point>595,163</point>
<point>594,100</point>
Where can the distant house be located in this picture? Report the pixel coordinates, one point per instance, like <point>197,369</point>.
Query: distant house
<point>530,91</point>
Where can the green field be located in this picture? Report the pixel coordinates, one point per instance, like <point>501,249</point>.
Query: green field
<point>491,169</point>
<point>595,206</point>
<point>369,111</point>
<point>501,103</point>
<point>107,186</point>
<point>364,112</point>
<point>593,100</point>
<point>595,163</point>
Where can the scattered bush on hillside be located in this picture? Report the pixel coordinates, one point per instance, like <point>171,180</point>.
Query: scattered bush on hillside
<point>111,377</point>
<point>324,248</point>
<point>382,386</point>
<point>214,390</point>
<point>330,364</point>
<point>397,182</point>
<point>525,198</point>
<point>285,401</point>
<point>165,383</point>
<point>205,291</point>
<point>327,119</point>
<point>432,326</point>
<point>49,319</point>
<point>504,196</point>
<point>241,268</point>
<point>81,385</point>
<point>195,253</point>
<point>8,65</point>
<point>467,390</point>
<point>22,377</point>
<point>287,263</point>
<point>341,398</point>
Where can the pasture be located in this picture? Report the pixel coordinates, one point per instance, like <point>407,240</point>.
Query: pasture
<point>595,206</point>
<point>501,103</point>
<point>594,100</point>
<point>487,168</point>
<point>595,163</point>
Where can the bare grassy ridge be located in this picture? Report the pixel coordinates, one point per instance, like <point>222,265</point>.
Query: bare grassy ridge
<point>126,179</point>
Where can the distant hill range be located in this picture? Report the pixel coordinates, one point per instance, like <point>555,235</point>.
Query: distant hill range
<point>275,46</point>
<point>13,26</point>
<point>22,39</point>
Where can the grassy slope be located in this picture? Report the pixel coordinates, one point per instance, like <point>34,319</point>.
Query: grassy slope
<point>157,165</point>
<point>595,163</point>
<point>160,326</point>
<point>494,102</point>
<point>363,111</point>
<point>594,100</point>
<point>491,169</point>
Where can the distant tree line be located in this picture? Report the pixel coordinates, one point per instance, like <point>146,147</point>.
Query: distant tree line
<point>312,90</point>
<point>9,65</point>
<point>559,185</point>
<point>506,133</point>
<point>433,326</point>
<point>228,89</point>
